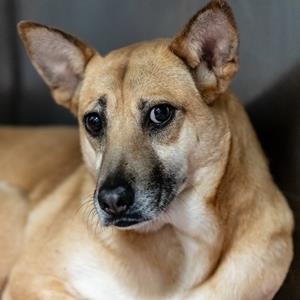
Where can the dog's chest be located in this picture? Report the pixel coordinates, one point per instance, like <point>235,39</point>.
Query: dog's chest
<point>96,275</point>
<point>92,281</point>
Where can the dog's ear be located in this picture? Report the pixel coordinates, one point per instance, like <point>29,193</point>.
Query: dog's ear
<point>59,58</point>
<point>209,46</point>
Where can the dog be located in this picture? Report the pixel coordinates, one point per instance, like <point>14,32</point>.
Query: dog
<point>168,196</point>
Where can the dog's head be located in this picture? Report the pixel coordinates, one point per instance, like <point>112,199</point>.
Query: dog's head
<point>149,123</point>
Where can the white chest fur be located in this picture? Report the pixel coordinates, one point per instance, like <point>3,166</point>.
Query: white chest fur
<point>96,277</point>
<point>91,281</point>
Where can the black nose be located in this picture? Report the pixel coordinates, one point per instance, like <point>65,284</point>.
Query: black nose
<point>115,198</point>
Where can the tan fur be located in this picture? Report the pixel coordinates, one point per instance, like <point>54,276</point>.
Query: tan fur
<point>226,235</point>
<point>13,213</point>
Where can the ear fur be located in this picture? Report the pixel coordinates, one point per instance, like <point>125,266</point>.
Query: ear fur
<point>209,46</point>
<point>58,57</point>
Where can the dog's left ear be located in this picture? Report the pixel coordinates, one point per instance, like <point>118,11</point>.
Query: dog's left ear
<point>59,58</point>
<point>209,46</point>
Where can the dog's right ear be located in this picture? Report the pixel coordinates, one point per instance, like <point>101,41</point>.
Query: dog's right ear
<point>59,58</point>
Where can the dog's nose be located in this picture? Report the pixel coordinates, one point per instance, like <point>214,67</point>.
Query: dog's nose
<point>115,199</point>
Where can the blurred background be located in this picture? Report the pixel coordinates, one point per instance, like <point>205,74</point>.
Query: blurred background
<point>268,82</point>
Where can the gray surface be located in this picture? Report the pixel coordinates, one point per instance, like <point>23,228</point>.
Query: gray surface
<point>268,81</point>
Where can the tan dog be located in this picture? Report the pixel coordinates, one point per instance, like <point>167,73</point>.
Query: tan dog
<point>174,199</point>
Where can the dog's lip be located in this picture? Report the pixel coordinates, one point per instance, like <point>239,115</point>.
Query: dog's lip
<point>126,222</point>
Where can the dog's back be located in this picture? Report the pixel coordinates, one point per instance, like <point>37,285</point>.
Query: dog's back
<point>36,160</point>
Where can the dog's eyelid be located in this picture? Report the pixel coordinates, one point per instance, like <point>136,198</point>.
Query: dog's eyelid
<point>146,105</point>
<point>98,105</point>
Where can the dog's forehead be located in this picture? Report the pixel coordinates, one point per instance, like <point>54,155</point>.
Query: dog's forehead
<point>141,71</point>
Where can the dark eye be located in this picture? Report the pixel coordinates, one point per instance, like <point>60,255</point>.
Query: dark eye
<point>160,115</point>
<point>93,123</point>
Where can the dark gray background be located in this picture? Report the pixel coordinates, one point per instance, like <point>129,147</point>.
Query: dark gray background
<point>268,82</point>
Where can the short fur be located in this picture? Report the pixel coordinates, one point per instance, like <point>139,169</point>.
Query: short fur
<point>217,226</point>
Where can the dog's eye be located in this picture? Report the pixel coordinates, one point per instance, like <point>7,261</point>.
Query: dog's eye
<point>93,123</point>
<point>160,115</point>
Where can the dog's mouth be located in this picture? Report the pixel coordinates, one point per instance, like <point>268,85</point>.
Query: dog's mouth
<point>127,222</point>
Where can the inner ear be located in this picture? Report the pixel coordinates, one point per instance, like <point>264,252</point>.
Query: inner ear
<point>59,58</point>
<point>209,45</point>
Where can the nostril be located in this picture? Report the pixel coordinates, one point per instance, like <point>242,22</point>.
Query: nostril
<point>105,207</point>
<point>121,202</point>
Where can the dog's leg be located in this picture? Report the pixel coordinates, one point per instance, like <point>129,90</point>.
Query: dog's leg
<point>13,215</point>
<point>255,265</point>
<point>47,291</point>
<point>19,280</point>
<point>245,276</point>
<point>25,284</point>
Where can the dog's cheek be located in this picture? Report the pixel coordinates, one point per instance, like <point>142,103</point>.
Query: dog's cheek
<point>175,156</point>
<point>92,158</point>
